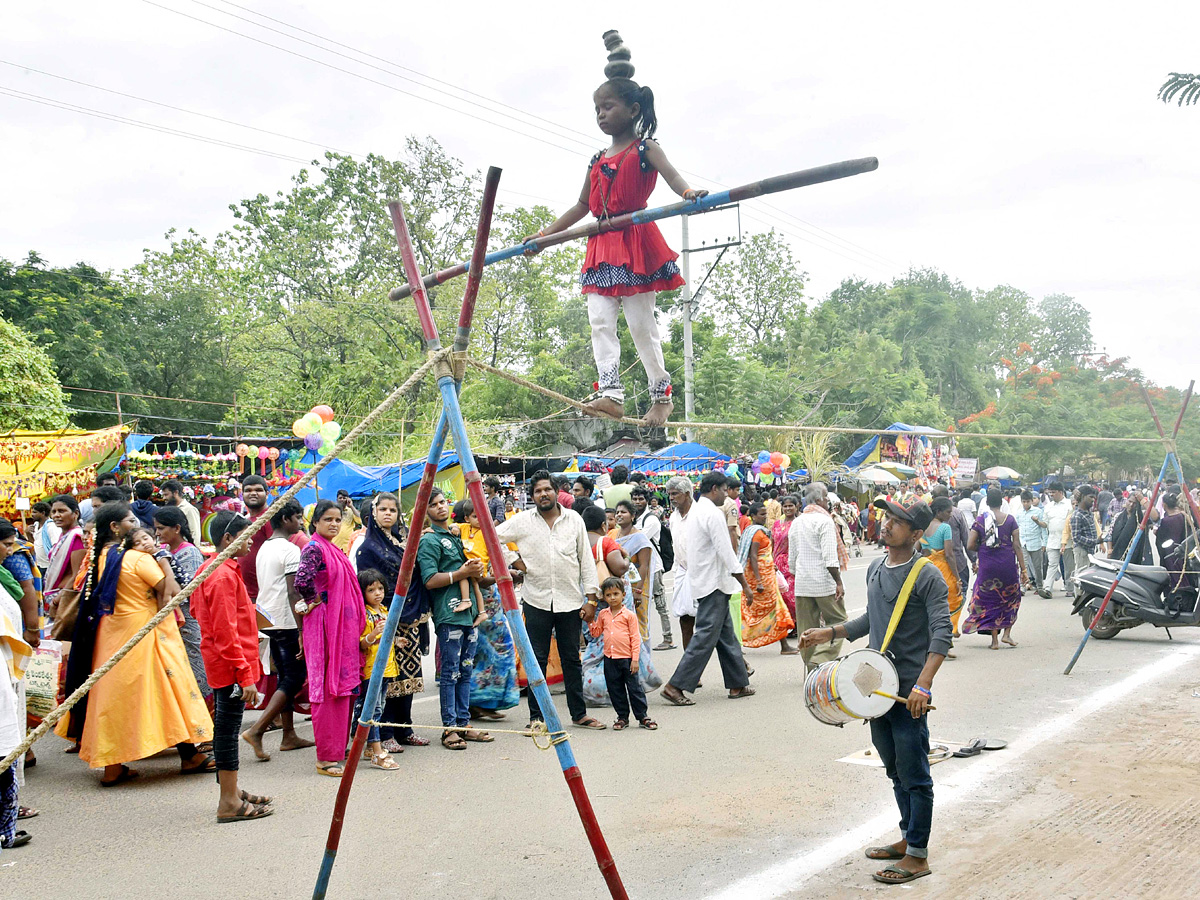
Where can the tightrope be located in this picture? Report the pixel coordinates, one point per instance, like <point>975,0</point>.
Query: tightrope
<point>755,426</point>
<point>242,540</point>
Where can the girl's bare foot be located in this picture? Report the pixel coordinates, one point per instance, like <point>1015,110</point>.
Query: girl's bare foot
<point>1008,640</point>
<point>462,606</point>
<point>605,406</point>
<point>659,412</point>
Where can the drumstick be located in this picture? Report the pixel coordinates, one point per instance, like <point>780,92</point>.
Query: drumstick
<point>895,697</point>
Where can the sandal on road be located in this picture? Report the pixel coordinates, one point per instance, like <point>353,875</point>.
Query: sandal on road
<point>246,812</point>
<point>27,812</point>
<point>886,852</point>
<point>739,693</point>
<point>208,765</point>
<point>649,724</point>
<point>476,737</point>
<point>333,769</point>
<point>385,762</point>
<point>589,722</point>
<point>676,697</point>
<point>254,799</point>
<point>620,725</point>
<point>20,839</point>
<point>452,741</point>
<point>897,875</point>
<point>126,774</point>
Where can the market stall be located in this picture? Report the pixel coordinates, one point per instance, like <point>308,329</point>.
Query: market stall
<point>35,465</point>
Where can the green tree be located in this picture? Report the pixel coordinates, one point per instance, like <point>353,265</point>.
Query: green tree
<point>1183,89</point>
<point>756,294</point>
<point>30,394</point>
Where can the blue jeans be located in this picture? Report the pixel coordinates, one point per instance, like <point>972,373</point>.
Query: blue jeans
<point>361,700</point>
<point>456,644</point>
<point>903,745</point>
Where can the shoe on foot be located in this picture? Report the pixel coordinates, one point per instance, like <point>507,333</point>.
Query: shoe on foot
<point>665,645</point>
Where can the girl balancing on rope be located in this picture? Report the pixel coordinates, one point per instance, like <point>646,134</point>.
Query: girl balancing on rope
<point>625,268</point>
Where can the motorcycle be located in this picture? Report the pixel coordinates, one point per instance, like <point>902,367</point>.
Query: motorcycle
<point>1144,595</point>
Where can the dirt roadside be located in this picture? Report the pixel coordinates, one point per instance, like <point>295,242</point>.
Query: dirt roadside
<point>1112,809</point>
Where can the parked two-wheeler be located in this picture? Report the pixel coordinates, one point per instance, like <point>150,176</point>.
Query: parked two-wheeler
<point>1144,595</point>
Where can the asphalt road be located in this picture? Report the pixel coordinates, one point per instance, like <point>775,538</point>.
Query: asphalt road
<point>724,790</point>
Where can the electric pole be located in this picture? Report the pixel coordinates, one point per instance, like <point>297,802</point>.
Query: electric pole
<point>689,360</point>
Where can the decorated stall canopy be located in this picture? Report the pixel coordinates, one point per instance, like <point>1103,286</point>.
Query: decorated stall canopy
<point>915,451</point>
<point>197,460</point>
<point>39,464</point>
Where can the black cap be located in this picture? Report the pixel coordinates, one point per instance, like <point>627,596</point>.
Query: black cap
<point>916,513</point>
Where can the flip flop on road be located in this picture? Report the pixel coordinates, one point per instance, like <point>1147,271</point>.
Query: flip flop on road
<point>589,722</point>
<point>739,693</point>
<point>209,765</point>
<point>897,875</point>
<point>476,737</point>
<point>27,812</point>
<point>972,749</point>
<point>887,852</point>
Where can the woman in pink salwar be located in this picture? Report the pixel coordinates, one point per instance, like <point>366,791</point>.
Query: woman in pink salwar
<point>779,536</point>
<point>333,620</point>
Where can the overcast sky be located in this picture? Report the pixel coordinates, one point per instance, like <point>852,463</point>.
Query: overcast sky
<point>1020,144</point>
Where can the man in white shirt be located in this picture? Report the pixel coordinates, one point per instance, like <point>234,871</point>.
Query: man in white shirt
<point>1056,510</point>
<point>275,566</point>
<point>648,524</point>
<point>715,574</point>
<point>683,604</point>
<point>556,557</point>
<point>813,560</point>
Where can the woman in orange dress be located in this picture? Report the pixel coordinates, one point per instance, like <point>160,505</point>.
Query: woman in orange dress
<point>149,701</point>
<point>765,617</point>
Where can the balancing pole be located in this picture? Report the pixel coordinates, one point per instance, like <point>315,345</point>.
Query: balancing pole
<point>774,185</point>
<point>408,561</point>
<point>1169,443</point>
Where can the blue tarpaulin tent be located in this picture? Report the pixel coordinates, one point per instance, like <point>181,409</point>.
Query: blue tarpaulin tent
<point>686,457</point>
<point>362,481</point>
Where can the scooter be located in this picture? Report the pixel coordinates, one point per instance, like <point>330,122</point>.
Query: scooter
<point>1142,596</point>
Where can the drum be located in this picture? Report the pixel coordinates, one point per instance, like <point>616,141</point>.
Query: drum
<point>842,690</point>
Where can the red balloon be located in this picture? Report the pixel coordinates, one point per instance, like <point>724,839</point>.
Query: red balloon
<point>767,469</point>
<point>777,458</point>
<point>325,412</point>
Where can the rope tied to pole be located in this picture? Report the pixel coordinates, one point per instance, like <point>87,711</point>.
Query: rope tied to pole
<point>242,540</point>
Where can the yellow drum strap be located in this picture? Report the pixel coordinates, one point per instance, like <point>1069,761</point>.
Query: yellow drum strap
<point>902,601</point>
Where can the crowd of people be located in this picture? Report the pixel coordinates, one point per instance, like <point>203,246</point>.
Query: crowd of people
<point>749,567</point>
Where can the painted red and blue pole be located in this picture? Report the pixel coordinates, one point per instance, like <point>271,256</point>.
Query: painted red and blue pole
<point>408,561</point>
<point>1169,460</point>
<point>452,413</point>
<point>774,185</point>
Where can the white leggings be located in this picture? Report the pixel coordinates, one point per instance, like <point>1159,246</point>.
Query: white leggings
<point>606,346</point>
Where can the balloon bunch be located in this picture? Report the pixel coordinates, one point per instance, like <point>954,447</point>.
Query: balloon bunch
<point>317,429</point>
<point>769,464</point>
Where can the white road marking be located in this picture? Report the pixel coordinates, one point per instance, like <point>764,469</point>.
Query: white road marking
<point>787,876</point>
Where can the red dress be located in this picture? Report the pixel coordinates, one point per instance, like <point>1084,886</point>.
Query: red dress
<point>637,259</point>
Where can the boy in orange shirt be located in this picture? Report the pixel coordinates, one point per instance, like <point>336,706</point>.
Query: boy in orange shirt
<point>622,647</point>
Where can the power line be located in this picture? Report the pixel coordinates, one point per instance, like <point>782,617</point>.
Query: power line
<point>190,112</point>
<point>358,75</point>
<point>583,141</point>
<point>162,129</point>
<point>587,138</point>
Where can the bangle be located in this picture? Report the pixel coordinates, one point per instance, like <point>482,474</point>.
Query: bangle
<point>832,633</point>
<point>689,194</point>
<point>920,690</point>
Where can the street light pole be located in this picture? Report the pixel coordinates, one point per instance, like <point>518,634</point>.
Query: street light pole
<point>689,360</point>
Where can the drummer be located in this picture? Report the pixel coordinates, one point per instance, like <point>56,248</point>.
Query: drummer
<point>920,643</point>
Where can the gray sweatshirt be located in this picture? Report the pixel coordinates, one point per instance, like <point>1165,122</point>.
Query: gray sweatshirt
<point>923,629</point>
